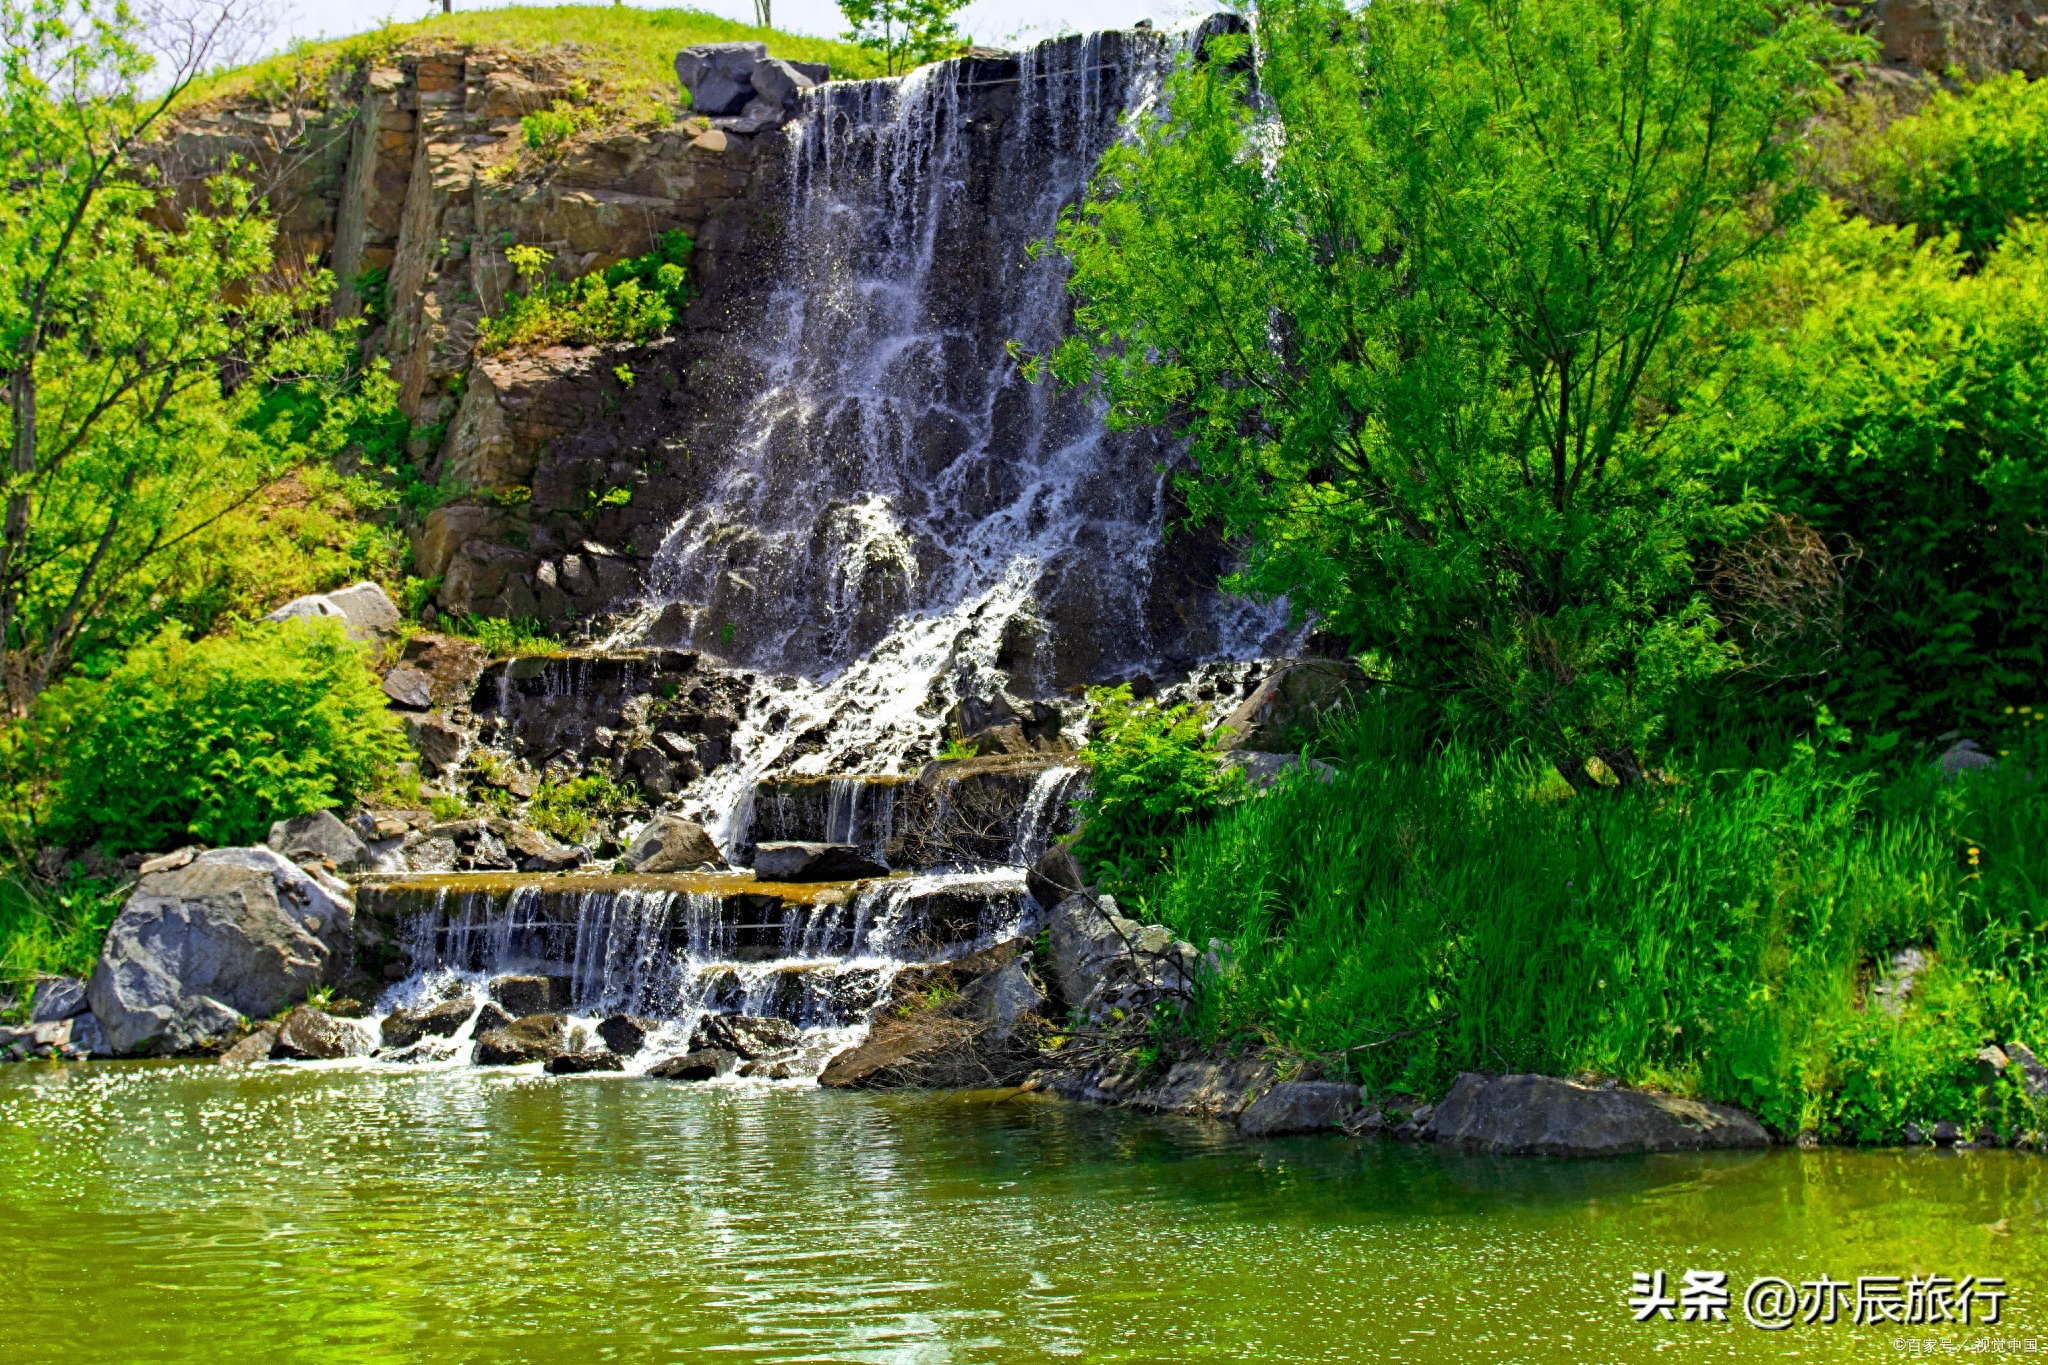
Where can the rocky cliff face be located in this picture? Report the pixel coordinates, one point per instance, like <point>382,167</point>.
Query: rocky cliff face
<point>1983,37</point>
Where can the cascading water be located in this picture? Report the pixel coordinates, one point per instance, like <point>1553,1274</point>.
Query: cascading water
<point>905,519</point>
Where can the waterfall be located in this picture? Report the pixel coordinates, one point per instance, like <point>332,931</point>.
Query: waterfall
<point>1041,814</point>
<point>905,519</point>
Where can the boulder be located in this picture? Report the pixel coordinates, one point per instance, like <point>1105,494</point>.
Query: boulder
<point>403,1028</point>
<point>779,82</point>
<point>438,740</point>
<point>1299,1107</point>
<point>409,689</point>
<point>952,1025</point>
<point>696,1066</point>
<point>654,770</point>
<point>577,1063</point>
<point>313,1035</point>
<point>1004,998</point>
<point>719,76</point>
<point>2033,1073</point>
<point>490,1017</point>
<point>794,861</point>
<point>320,837</point>
<point>1055,876</point>
<point>1210,1088</point>
<point>57,997</point>
<point>524,995</point>
<point>363,609</point>
<point>1529,1115</point>
<point>233,932</point>
<point>1964,756</point>
<point>87,1038</point>
<point>1105,963</point>
<point>452,666</point>
<point>746,1035</point>
<point>1262,770</point>
<point>1290,704</point>
<point>626,1034</point>
<point>251,1050</point>
<point>536,1038</point>
<point>670,843</point>
<point>537,852</point>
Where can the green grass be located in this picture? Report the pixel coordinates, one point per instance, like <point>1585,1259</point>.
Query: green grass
<point>1423,915</point>
<point>502,639</point>
<point>631,51</point>
<point>51,931</point>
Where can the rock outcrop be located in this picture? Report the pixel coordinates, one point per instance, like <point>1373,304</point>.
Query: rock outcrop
<point>1107,965</point>
<point>308,1034</point>
<point>669,843</point>
<point>535,1038</point>
<point>1299,1107</point>
<point>1290,704</point>
<point>970,1024</point>
<point>322,838</point>
<point>1529,1115</point>
<point>793,861</point>
<point>233,932</point>
<point>364,609</point>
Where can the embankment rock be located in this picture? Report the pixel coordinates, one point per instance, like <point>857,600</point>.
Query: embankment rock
<point>57,997</point>
<point>1055,876</point>
<point>580,1063</point>
<point>625,1034</point>
<point>746,1035</point>
<point>1106,963</point>
<point>308,1034</point>
<point>322,838</point>
<point>1299,1107</point>
<point>1290,705</point>
<point>949,1026</point>
<point>252,1049</point>
<point>233,932</point>
<point>1530,1115</point>
<point>403,1028</point>
<point>696,1066</point>
<point>1207,1087</point>
<point>670,843</point>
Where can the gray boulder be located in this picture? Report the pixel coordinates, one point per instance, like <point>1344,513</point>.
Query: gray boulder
<point>410,689</point>
<point>87,1038</point>
<point>696,1066</point>
<point>1299,1107</point>
<point>252,1049</point>
<point>578,1063</point>
<point>1291,703</point>
<point>719,76</point>
<point>2033,1073</point>
<point>1055,876</point>
<point>779,82</point>
<point>403,1028</point>
<point>233,932</point>
<point>1004,998</point>
<point>310,1035</point>
<point>670,843</point>
<point>625,1034</point>
<point>1531,1115</point>
<point>1964,756</point>
<point>58,997</point>
<point>794,861</point>
<point>363,609</point>
<point>1105,962</point>
<point>524,995</point>
<point>319,836</point>
<point>438,741</point>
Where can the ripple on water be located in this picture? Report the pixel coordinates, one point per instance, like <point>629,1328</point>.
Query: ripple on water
<point>176,1212</point>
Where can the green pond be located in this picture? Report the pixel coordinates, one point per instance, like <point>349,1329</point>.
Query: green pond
<point>176,1212</point>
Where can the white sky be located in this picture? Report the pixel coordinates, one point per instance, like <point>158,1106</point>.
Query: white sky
<point>996,23</point>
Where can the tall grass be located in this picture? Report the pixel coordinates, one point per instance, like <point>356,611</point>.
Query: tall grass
<point>1716,935</point>
<point>48,931</point>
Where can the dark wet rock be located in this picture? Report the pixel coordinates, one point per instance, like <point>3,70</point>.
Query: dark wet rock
<point>57,997</point>
<point>670,843</point>
<point>577,1063</point>
<point>535,1038</point>
<point>234,932</point>
<point>538,852</point>
<point>439,741</point>
<point>1528,1115</point>
<point>1289,706</point>
<point>1912,1135</point>
<point>524,995</point>
<point>808,862</point>
<point>1104,962</point>
<point>1945,1134</point>
<point>1055,876</point>
<point>783,1067</point>
<point>403,1028</point>
<point>1299,1107</point>
<point>626,1034</point>
<point>490,1017</point>
<point>308,1034</point>
<point>747,1035</point>
<point>252,1049</point>
<point>320,837</point>
<point>696,1066</point>
<point>949,1026</point>
<point>655,770</point>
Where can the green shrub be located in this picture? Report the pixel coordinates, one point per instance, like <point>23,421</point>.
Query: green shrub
<point>1714,934</point>
<point>545,130</point>
<point>502,638</point>
<point>1151,774</point>
<point>570,810</point>
<point>53,931</point>
<point>211,741</point>
<point>1971,161</point>
<point>631,301</point>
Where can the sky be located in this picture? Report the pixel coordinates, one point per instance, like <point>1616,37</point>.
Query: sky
<point>994,23</point>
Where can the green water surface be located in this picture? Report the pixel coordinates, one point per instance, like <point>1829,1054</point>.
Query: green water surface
<point>176,1212</point>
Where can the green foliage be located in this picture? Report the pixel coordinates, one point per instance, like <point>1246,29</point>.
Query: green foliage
<point>1412,332</point>
<point>905,33</point>
<point>1888,400</point>
<point>53,931</point>
<point>448,807</point>
<point>1151,774</point>
<point>957,751</point>
<point>570,810</point>
<point>546,130</point>
<point>211,741</point>
<point>372,289</point>
<point>504,639</point>
<point>631,301</point>
<point>1715,934</point>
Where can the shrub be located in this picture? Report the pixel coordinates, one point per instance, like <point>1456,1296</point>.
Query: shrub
<point>631,301</point>
<point>1151,773</point>
<point>211,741</point>
<point>570,810</point>
<point>503,639</point>
<point>53,931</point>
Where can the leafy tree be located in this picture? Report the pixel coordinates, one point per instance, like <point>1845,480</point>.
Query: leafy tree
<point>1151,774</point>
<point>1414,309</point>
<point>906,33</point>
<point>145,339</point>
